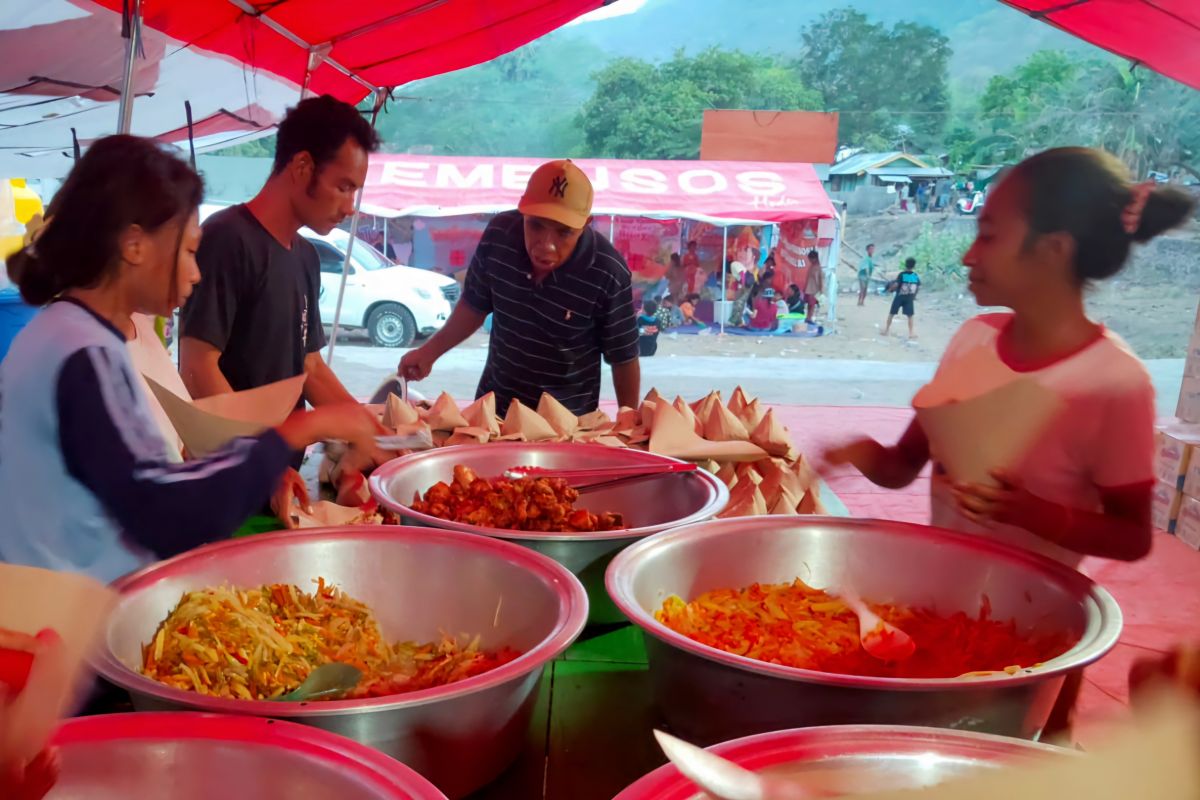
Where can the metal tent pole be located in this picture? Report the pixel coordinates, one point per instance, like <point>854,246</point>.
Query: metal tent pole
<point>379,95</point>
<point>724,276</point>
<point>385,237</point>
<point>131,31</point>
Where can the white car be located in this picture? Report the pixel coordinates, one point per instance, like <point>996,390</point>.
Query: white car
<point>395,303</point>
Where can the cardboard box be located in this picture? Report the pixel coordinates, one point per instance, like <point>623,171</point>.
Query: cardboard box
<point>1187,526</point>
<point>1191,481</point>
<point>1174,444</point>
<point>1188,409</point>
<point>1164,509</point>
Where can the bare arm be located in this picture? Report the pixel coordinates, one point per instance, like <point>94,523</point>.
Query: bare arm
<point>464,321</point>
<point>890,467</point>
<point>1122,531</point>
<point>200,368</point>
<point>627,379</point>
<point>321,386</point>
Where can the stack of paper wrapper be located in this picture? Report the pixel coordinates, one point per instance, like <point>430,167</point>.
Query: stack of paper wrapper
<point>741,441</point>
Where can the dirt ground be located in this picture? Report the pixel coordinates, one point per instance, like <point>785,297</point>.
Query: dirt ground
<point>1156,320</point>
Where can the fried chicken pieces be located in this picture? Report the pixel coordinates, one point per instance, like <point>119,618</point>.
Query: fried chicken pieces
<point>524,504</point>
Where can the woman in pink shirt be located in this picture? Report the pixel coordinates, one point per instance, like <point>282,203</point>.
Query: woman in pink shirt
<point>1058,222</point>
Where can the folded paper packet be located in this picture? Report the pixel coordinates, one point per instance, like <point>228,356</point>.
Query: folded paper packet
<point>74,608</point>
<point>594,421</point>
<point>397,412</point>
<point>444,415</point>
<point>471,435</point>
<point>737,402</point>
<point>325,514</point>
<point>210,423</point>
<point>672,436</point>
<point>526,423</point>
<point>771,436</point>
<point>722,426</point>
<point>482,414</point>
<point>557,415</point>
<point>989,431</point>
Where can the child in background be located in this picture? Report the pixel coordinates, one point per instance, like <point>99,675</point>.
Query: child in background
<point>688,309</point>
<point>648,329</point>
<point>667,313</point>
<point>906,286</point>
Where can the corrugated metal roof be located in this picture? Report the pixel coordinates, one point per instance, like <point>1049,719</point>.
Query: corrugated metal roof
<point>863,162</point>
<point>912,172</point>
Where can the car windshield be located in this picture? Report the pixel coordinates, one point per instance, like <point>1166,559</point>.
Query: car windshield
<point>368,257</point>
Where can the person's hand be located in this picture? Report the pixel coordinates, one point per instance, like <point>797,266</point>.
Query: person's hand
<point>30,781</point>
<point>857,454</point>
<point>1006,502</point>
<point>348,422</point>
<point>416,364</point>
<point>290,489</point>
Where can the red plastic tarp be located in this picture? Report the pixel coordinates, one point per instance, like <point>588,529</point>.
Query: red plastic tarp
<point>1162,34</point>
<point>384,42</point>
<point>402,185</point>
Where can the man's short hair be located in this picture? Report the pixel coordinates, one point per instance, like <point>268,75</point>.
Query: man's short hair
<point>910,263</point>
<point>319,126</point>
<point>872,244</point>
<point>814,255</point>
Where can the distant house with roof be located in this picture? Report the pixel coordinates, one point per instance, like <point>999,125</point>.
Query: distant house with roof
<point>882,169</point>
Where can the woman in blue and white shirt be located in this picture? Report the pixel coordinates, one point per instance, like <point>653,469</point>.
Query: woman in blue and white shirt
<point>86,482</point>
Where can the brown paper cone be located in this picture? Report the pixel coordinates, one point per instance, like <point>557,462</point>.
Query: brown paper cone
<point>652,396</point>
<point>689,416</point>
<point>728,473</point>
<point>560,418</point>
<point>785,504</point>
<point>327,515</point>
<point>991,431</point>
<point>702,406</point>
<point>210,423</point>
<point>673,437</point>
<point>397,412</point>
<point>773,437</point>
<point>737,402</point>
<point>722,426</point>
<point>526,422</point>
<point>646,413</point>
<point>444,415</point>
<point>811,504</point>
<point>482,414</point>
<point>469,435</point>
<point>748,472</point>
<point>751,415</point>
<point>627,420</point>
<point>594,421</point>
<point>749,502</point>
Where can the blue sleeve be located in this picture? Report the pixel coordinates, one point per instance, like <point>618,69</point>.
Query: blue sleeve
<point>165,507</point>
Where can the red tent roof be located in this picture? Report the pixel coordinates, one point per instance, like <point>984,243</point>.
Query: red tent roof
<point>382,42</point>
<point>1162,34</point>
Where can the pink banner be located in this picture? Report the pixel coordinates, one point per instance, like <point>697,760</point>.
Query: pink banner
<point>400,185</point>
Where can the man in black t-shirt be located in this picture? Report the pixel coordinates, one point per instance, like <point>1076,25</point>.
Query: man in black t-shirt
<point>254,319</point>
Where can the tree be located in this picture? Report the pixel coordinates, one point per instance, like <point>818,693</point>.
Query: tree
<point>640,110</point>
<point>890,83</point>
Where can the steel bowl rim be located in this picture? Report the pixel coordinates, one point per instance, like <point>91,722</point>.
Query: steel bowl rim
<point>385,772</point>
<point>713,507</point>
<point>618,583</point>
<point>763,750</point>
<point>573,611</point>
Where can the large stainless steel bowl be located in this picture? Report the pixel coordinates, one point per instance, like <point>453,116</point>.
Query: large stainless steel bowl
<point>190,756</point>
<point>854,759</point>
<point>649,506</point>
<point>420,583</point>
<point>709,695</point>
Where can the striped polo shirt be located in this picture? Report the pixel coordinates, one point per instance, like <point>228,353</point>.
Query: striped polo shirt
<point>549,336</point>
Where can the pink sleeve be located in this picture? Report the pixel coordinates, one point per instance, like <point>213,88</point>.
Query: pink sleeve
<point>1124,454</point>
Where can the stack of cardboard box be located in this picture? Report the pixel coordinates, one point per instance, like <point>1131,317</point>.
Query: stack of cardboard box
<point>1177,462</point>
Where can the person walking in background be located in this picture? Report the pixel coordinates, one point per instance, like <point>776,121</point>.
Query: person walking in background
<point>648,328</point>
<point>906,286</point>
<point>814,284</point>
<point>691,269</point>
<point>866,268</point>
<point>675,276</point>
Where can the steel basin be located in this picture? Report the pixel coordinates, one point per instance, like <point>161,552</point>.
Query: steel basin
<point>192,756</point>
<point>648,506</point>
<point>420,583</point>
<point>854,759</point>
<point>708,695</point>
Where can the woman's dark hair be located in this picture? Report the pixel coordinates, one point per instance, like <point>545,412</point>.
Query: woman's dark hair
<point>1084,192</point>
<point>675,259</point>
<point>769,262</point>
<point>793,288</point>
<point>650,307</point>
<point>910,263</point>
<point>120,181</point>
<point>692,298</point>
<point>320,126</point>
<point>815,256</point>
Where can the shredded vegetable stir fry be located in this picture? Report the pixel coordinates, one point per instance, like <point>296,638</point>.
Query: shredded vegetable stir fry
<point>796,625</point>
<point>257,644</point>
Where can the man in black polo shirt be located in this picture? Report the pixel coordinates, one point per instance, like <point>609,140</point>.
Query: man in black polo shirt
<point>560,297</point>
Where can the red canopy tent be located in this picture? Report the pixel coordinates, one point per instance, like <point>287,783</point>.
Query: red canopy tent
<point>1164,35</point>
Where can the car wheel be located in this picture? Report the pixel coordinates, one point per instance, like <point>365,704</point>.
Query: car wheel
<point>392,325</point>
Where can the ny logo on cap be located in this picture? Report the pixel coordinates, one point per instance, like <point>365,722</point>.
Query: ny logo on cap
<point>558,187</point>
